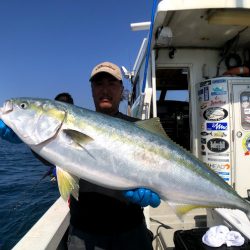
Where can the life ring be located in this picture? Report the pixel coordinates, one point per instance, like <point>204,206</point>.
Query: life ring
<point>243,70</point>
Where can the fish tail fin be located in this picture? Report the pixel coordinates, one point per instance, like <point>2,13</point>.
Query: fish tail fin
<point>67,184</point>
<point>181,209</point>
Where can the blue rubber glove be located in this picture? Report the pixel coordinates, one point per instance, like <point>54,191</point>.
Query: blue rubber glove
<point>53,176</point>
<point>51,173</point>
<point>143,197</point>
<point>8,134</point>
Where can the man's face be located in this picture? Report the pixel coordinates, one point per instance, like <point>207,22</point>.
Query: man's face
<point>107,92</point>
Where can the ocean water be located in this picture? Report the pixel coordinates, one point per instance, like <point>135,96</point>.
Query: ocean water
<point>24,197</point>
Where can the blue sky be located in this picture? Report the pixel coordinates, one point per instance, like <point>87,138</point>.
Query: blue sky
<point>51,46</point>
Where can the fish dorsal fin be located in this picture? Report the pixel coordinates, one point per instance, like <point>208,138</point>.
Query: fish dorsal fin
<point>67,184</point>
<point>153,125</point>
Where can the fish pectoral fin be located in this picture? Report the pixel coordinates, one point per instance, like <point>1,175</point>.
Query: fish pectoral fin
<point>182,209</point>
<point>153,125</point>
<point>80,139</point>
<point>67,184</point>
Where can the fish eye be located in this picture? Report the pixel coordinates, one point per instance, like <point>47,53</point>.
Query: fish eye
<point>23,105</point>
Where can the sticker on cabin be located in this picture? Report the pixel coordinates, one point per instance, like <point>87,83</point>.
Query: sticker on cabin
<point>247,111</point>
<point>218,81</point>
<point>217,101</point>
<point>219,167</point>
<point>215,114</point>
<point>204,133</point>
<point>200,92</point>
<point>217,145</point>
<point>219,154</point>
<point>244,101</point>
<point>206,93</point>
<point>219,90</point>
<point>247,119</point>
<point>221,126</point>
<point>203,141</point>
<point>246,144</point>
<point>204,105</point>
<point>205,83</point>
<point>219,134</point>
<point>218,160</point>
<point>224,175</point>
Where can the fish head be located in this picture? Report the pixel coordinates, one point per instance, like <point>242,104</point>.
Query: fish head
<point>33,120</point>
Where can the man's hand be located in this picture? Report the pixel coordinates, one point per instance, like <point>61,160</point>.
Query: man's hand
<point>8,134</point>
<point>51,173</point>
<point>143,197</point>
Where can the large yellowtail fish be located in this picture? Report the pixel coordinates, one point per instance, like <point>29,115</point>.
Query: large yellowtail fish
<point>116,154</point>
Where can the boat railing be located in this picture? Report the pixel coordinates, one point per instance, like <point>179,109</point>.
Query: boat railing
<point>49,231</point>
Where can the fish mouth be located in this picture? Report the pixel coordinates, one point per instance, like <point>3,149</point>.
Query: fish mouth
<point>7,107</point>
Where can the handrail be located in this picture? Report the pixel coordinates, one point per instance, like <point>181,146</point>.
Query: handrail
<point>149,45</point>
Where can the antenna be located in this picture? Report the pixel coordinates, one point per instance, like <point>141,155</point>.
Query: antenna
<point>127,74</point>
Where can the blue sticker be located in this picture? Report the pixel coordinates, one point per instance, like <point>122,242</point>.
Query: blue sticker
<point>217,126</point>
<point>200,92</point>
<point>223,173</point>
<point>218,91</point>
<point>218,81</point>
<point>206,93</point>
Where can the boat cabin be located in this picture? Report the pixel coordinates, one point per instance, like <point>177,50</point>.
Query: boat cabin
<point>193,72</point>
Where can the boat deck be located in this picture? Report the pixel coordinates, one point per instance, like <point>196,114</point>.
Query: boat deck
<point>164,222</point>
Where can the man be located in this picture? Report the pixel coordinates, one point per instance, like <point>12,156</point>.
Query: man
<point>102,218</point>
<point>64,97</point>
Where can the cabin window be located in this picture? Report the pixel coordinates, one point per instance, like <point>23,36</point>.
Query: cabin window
<point>135,90</point>
<point>177,95</point>
<point>245,110</point>
<point>172,96</point>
